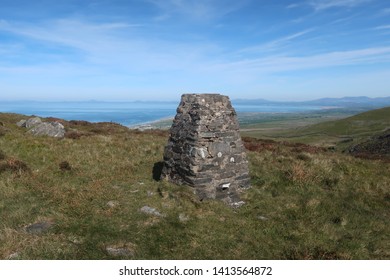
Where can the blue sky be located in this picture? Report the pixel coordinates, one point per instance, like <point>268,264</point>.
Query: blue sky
<point>159,49</point>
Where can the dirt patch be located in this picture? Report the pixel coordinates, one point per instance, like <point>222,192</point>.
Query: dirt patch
<point>258,145</point>
<point>13,165</point>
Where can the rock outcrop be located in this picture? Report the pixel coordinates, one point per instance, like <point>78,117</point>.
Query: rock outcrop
<point>378,147</point>
<point>52,129</point>
<point>39,128</point>
<point>205,149</point>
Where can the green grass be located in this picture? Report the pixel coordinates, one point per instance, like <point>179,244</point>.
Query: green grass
<point>340,133</point>
<point>363,124</point>
<point>304,203</point>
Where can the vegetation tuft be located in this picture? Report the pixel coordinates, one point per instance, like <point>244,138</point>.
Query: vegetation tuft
<point>65,166</point>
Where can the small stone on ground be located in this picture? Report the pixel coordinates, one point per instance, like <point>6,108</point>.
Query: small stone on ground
<point>13,256</point>
<point>112,203</point>
<point>183,218</point>
<point>150,211</point>
<point>126,250</point>
<point>38,228</point>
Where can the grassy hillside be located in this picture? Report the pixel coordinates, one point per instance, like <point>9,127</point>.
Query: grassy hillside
<point>360,125</point>
<point>342,132</point>
<point>89,188</point>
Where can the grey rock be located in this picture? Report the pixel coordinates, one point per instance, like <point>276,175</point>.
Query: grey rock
<point>150,193</point>
<point>21,123</point>
<point>262,218</point>
<point>39,128</point>
<point>38,228</point>
<point>112,203</point>
<point>150,211</point>
<point>183,218</point>
<point>238,204</point>
<point>205,150</point>
<point>32,122</point>
<point>126,250</point>
<point>53,129</point>
<point>13,256</point>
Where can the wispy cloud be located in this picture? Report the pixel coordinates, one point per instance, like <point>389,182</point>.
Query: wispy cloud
<point>276,64</point>
<point>320,5</point>
<point>90,39</point>
<point>293,5</point>
<point>382,27</point>
<point>275,44</point>
<point>111,52</point>
<point>104,45</point>
<point>344,19</point>
<point>197,9</point>
<point>71,32</point>
<point>115,47</point>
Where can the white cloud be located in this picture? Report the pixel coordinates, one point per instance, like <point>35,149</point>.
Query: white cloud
<point>275,44</point>
<point>127,56</point>
<point>386,11</point>
<point>70,32</point>
<point>382,27</point>
<point>115,48</point>
<point>293,5</point>
<point>319,5</point>
<point>277,64</point>
<point>197,9</point>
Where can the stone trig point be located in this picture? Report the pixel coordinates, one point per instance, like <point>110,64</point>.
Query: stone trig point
<point>205,149</point>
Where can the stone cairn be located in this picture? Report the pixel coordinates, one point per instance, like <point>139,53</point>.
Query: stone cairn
<point>205,149</point>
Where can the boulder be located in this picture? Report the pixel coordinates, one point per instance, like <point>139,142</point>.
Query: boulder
<point>32,122</point>
<point>21,123</point>
<point>39,128</point>
<point>53,129</point>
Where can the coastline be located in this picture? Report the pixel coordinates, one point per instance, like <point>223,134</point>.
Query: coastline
<point>162,123</point>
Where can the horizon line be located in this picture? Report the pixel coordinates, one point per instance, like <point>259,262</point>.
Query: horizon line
<point>176,100</point>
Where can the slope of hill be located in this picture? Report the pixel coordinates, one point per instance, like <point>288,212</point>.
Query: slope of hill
<point>93,195</point>
<point>341,133</point>
<point>356,101</point>
<point>365,123</point>
<point>353,129</point>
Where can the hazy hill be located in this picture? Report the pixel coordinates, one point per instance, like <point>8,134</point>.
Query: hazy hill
<point>352,101</point>
<point>360,101</point>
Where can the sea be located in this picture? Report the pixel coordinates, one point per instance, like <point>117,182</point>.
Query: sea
<point>127,113</point>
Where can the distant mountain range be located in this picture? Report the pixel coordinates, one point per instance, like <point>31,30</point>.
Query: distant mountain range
<point>359,101</point>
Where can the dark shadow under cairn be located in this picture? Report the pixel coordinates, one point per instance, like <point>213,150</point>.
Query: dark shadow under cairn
<point>157,170</point>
